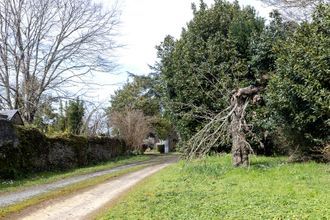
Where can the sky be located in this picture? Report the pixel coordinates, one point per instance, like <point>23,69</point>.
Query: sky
<point>144,24</point>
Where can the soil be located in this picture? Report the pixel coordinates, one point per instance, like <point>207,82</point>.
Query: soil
<point>84,203</point>
<point>18,196</point>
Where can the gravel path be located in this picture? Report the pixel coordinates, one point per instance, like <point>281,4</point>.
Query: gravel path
<point>15,197</point>
<point>82,205</point>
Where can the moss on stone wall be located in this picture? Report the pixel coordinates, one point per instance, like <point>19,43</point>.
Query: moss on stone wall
<point>36,152</point>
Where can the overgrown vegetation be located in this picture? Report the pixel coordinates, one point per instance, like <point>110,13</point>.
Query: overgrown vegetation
<point>132,126</point>
<point>36,152</point>
<point>299,92</point>
<point>69,118</point>
<point>224,54</point>
<point>212,189</point>
<point>141,94</point>
<point>136,113</point>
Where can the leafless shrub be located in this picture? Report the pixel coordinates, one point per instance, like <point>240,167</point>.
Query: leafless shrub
<point>132,126</point>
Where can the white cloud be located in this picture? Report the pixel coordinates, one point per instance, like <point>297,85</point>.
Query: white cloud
<point>145,23</point>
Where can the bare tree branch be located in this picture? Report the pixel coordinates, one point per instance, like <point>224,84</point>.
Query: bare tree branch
<point>230,123</point>
<point>46,44</point>
<point>295,9</point>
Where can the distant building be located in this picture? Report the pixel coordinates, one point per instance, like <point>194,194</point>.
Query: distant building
<point>11,115</point>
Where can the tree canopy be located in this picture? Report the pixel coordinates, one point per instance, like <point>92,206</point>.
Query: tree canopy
<point>299,92</point>
<point>227,52</point>
<point>211,58</point>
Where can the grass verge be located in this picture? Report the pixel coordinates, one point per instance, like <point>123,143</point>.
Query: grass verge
<point>6,211</point>
<point>212,189</point>
<point>48,177</point>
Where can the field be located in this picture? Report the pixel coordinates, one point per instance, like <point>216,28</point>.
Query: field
<point>211,188</point>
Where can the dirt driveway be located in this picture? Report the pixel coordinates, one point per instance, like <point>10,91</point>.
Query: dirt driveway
<point>80,206</point>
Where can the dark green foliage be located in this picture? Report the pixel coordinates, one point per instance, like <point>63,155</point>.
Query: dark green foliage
<point>51,122</point>
<point>36,152</point>
<point>226,47</point>
<point>75,113</point>
<point>33,147</point>
<point>299,93</point>
<point>199,71</point>
<point>162,127</point>
<point>138,95</point>
<point>264,51</point>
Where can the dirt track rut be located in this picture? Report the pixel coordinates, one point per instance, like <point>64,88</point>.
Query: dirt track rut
<point>80,206</point>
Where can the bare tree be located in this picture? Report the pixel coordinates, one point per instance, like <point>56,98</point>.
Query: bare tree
<point>295,9</point>
<point>96,121</point>
<point>44,45</point>
<point>132,126</point>
<point>293,3</point>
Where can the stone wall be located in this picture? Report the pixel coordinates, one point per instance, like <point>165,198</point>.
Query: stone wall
<point>27,150</point>
<point>7,133</point>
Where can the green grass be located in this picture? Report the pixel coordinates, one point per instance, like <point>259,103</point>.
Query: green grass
<point>48,177</point>
<point>212,189</point>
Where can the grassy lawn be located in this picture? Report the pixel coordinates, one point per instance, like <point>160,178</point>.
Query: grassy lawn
<point>48,177</point>
<point>213,189</point>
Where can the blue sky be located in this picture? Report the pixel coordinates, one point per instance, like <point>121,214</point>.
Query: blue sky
<point>144,24</point>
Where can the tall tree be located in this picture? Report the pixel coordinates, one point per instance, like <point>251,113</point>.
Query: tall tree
<point>47,44</point>
<point>299,93</point>
<point>137,94</point>
<point>209,63</point>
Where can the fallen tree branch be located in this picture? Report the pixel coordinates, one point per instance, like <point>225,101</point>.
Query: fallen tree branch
<point>228,123</point>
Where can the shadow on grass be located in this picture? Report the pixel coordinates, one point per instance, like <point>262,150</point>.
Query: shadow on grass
<point>267,163</point>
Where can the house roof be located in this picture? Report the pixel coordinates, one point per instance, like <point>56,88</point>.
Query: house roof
<point>8,114</point>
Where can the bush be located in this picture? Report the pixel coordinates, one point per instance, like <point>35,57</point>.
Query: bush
<point>132,126</point>
<point>299,91</point>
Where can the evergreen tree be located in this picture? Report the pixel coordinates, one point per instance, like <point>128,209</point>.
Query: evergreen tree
<point>200,70</point>
<point>75,113</point>
<point>299,92</point>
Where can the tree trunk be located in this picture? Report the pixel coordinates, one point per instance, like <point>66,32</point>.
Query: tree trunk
<point>240,147</point>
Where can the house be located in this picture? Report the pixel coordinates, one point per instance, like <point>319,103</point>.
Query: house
<point>169,143</point>
<point>11,115</point>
